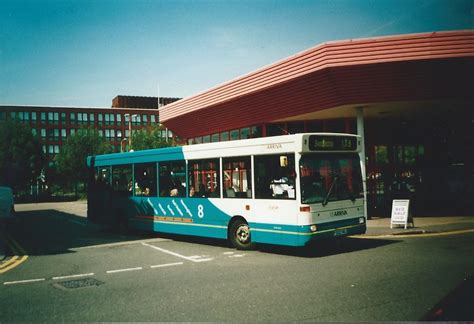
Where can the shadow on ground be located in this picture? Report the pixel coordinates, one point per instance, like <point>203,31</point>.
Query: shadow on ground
<point>49,232</point>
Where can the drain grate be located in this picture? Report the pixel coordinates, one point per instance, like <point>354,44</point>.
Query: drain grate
<point>78,283</point>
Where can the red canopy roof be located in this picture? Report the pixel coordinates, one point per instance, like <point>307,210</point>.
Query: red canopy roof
<point>429,66</point>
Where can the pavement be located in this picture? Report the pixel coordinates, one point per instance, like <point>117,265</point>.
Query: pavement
<point>376,226</point>
<point>380,226</point>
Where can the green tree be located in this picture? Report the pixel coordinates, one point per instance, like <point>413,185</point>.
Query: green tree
<point>148,139</point>
<point>21,155</point>
<point>71,160</point>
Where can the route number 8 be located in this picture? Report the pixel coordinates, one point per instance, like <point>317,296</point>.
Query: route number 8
<point>200,211</point>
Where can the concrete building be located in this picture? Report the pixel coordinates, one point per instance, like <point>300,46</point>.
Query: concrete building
<point>54,124</point>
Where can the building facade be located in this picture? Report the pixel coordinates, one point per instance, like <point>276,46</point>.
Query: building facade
<point>410,97</point>
<point>53,125</point>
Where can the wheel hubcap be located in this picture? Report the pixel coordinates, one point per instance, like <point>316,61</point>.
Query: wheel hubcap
<point>243,233</point>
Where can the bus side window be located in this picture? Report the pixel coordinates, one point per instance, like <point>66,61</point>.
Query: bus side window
<point>204,178</point>
<point>122,179</point>
<point>172,182</point>
<point>145,179</point>
<point>237,176</point>
<point>275,176</point>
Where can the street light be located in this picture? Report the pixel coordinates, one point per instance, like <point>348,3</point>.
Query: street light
<point>130,129</point>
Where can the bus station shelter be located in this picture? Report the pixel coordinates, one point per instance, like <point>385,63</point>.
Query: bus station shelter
<point>410,96</point>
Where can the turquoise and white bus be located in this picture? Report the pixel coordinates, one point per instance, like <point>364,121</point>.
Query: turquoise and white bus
<point>287,190</point>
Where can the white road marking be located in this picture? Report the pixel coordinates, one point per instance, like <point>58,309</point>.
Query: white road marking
<point>124,270</point>
<point>166,265</point>
<point>23,281</point>
<point>237,256</point>
<point>74,276</point>
<point>177,254</point>
<point>228,253</point>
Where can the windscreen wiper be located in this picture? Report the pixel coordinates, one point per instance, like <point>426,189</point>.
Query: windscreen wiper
<point>334,179</point>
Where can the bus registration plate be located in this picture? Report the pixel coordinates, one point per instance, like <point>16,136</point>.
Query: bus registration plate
<point>340,232</point>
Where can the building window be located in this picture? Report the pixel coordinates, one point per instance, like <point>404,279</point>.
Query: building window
<point>145,120</point>
<point>107,119</point>
<point>112,119</point>
<point>101,133</point>
<point>224,136</point>
<point>2,116</point>
<point>119,133</point>
<point>100,119</point>
<point>234,134</point>
<point>91,118</point>
<point>63,118</point>
<point>43,133</point>
<point>206,139</point>
<point>119,120</point>
<point>34,131</point>
<point>276,130</point>
<point>152,119</point>
<point>215,137</point>
<point>245,133</point>
<point>72,118</point>
<point>33,116</point>
<point>72,131</point>
<point>256,131</point>
<point>56,149</point>
<point>63,133</point>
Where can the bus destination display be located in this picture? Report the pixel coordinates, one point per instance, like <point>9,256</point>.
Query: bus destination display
<point>332,143</point>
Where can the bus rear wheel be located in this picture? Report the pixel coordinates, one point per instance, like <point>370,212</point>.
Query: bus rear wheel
<point>239,235</point>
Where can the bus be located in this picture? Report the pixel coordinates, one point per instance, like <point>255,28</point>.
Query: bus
<point>285,190</point>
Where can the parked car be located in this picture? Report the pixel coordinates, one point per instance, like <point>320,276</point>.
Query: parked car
<point>7,205</point>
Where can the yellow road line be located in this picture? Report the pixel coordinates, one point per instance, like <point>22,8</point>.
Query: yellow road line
<point>414,235</point>
<point>19,254</point>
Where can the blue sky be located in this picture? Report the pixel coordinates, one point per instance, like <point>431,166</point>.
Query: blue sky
<point>85,52</point>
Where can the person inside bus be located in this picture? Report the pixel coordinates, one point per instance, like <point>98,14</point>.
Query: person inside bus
<point>202,191</point>
<point>178,189</point>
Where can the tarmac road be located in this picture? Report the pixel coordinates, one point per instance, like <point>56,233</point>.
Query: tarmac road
<point>75,272</point>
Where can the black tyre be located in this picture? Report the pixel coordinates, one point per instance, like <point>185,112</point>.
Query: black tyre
<point>239,235</point>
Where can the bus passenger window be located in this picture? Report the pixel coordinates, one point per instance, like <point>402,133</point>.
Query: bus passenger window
<point>145,179</point>
<point>122,179</point>
<point>204,178</point>
<point>103,175</point>
<point>237,176</point>
<point>275,176</point>
<point>172,181</point>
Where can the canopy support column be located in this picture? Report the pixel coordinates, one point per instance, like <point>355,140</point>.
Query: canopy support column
<point>361,133</point>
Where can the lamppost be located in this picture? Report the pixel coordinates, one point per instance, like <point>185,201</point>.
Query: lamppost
<point>130,129</point>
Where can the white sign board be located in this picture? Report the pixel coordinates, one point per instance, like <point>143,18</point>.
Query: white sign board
<point>401,213</point>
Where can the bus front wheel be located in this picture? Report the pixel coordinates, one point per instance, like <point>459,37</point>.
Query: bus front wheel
<point>239,235</point>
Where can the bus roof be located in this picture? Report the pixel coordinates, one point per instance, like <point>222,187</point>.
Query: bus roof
<point>262,145</point>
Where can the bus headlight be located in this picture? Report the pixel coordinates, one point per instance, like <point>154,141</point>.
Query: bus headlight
<point>313,228</point>
<point>361,220</point>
